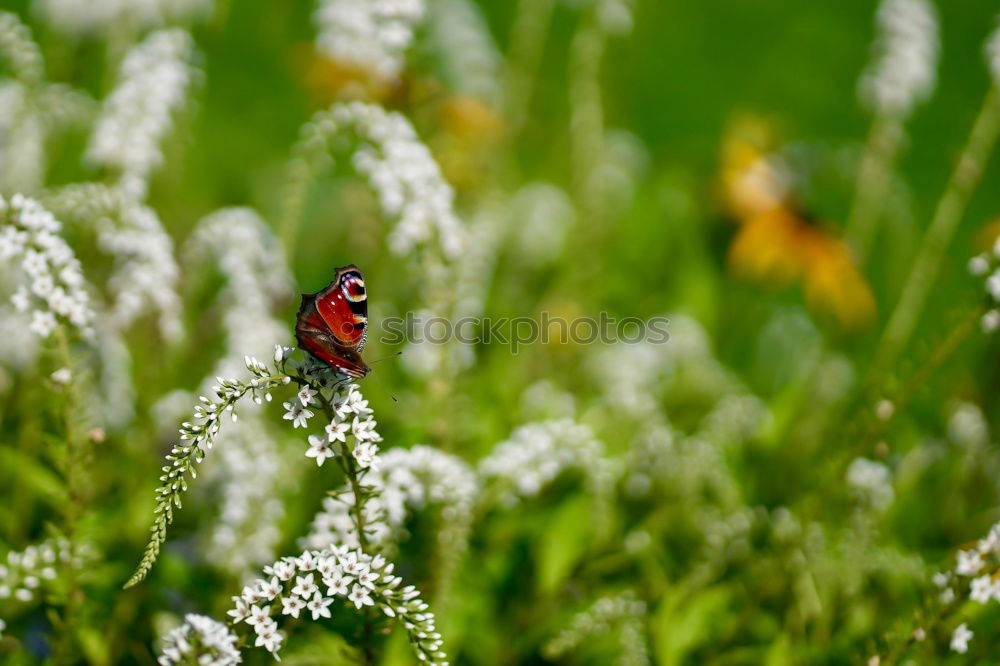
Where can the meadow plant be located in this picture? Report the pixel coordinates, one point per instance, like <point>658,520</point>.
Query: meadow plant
<point>622,612</point>
<point>903,71</point>
<point>769,485</point>
<point>84,17</point>
<point>33,109</point>
<point>537,453</point>
<point>352,575</point>
<point>947,215</point>
<point>469,59</point>
<point>152,85</point>
<point>196,439</point>
<point>397,166</point>
<point>374,35</point>
<point>345,568</point>
<point>406,480</point>
<point>411,191</point>
<point>34,573</point>
<point>902,74</point>
<point>51,285</point>
<point>200,639</point>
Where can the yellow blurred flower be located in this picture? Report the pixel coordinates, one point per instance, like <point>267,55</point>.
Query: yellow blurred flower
<point>750,184</point>
<point>466,143</point>
<point>329,80</point>
<point>986,237</point>
<point>778,246</point>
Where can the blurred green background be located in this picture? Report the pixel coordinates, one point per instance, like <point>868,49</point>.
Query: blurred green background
<point>845,584</point>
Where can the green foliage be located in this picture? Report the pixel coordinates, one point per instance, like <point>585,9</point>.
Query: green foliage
<point>725,494</point>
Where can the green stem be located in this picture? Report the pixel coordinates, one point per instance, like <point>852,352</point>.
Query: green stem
<point>874,177</point>
<point>941,353</point>
<point>352,472</point>
<point>587,117</point>
<point>73,463</point>
<point>948,214</point>
<point>527,42</point>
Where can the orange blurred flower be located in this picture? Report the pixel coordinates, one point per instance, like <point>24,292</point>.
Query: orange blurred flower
<point>776,245</point>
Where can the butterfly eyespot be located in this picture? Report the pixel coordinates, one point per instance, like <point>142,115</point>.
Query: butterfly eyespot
<point>353,288</point>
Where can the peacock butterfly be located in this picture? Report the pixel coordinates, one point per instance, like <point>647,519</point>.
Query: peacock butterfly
<point>332,324</point>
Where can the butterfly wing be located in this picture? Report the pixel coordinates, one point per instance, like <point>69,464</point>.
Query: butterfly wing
<point>332,324</point>
<point>343,305</point>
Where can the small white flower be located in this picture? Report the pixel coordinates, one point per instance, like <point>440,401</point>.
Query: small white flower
<point>34,263</point>
<point>992,285</point>
<point>350,564</point>
<point>327,566</point>
<point>981,589</point>
<point>357,402</point>
<point>337,432</point>
<point>42,323</point>
<point>359,596</point>
<point>306,395</point>
<point>269,638</point>
<point>363,430</point>
<point>240,611</point>
<point>281,353</point>
<point>62,376</point>
<point>292,605</point>
<point>297,414</point>
<point>266,626</point>
<point>21,300</point>
<point>304,586</point>
<point>307,562</point>
<point>342,409</point>
<point>960,639</point>
<point>990,321</point>
<point>319,448</point>
<point>366,455</point>
<point>283,570</point>
<point>367,578</point>
<point>250,594</point>
<point>969,563</point>
<point>259,615</point>
<point>338,585</point>
<point>978,265</point>
<point>270,589</point>
<point>318,605</point>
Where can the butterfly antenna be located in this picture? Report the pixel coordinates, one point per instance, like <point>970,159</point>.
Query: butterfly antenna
<point>381,385</point>
<point>385,358</point>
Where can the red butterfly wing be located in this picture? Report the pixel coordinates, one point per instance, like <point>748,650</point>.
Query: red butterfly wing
<point>332,324</point>
<point>343,305</point>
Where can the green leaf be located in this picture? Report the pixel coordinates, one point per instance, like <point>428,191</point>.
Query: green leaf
<point>94,645</point>
<point>683,622</point>
<point>36,475</point>
<point>327,648</point>
<point>564,542</point>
